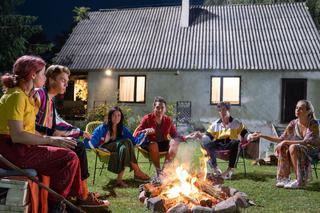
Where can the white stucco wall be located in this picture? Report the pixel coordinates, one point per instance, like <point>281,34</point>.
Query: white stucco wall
<point>260,93</point>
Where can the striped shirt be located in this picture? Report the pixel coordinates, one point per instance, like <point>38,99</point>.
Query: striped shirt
<point>218,132</point>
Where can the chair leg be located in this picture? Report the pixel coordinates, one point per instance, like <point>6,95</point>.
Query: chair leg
<point>95,168</point>
<point>102,167</point>
<point>315,169</point>
<point>244,163</point>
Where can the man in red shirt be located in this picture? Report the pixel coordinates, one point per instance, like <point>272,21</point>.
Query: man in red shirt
<point>161,133</point>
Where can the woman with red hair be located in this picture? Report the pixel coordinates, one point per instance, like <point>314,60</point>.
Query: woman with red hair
<point>19,142</point>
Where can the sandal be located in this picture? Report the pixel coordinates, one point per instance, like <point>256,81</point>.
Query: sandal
<point>95,194</point>
<point>93,202</point>
<point>121,184</point>
<point>142,178</point>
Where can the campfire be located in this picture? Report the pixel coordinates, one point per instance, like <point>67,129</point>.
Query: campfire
<point>184,191</point>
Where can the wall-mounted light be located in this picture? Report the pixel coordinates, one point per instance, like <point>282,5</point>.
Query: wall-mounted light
<point>108,72</point>
<point>177,72</point>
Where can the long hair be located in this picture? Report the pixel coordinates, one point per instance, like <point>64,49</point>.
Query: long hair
<point>120,124</point>
<point>23,69</point>
<point>309,108</point>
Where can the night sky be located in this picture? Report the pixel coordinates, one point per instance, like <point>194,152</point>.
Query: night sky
<point>56,16</point>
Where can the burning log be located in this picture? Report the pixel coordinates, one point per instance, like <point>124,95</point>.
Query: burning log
<point>190,199</point>
<point>168,203</point>
<point>152,190</point>
<point>211,190</point>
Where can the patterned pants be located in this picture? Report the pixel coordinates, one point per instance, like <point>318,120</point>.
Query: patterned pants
<point>303,163</point>
<point>61,165</point>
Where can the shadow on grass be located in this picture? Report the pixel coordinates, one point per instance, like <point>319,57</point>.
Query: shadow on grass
<point>110,187</point>
<point>255,176</point>
<point>315,187</point>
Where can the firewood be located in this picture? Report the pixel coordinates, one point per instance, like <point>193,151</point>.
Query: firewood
<point>153,190</point>
<point>203,203</point>
<point>209,203</point>
<point>170,202</point>
<point>190,199</point>
<point>211,190</point>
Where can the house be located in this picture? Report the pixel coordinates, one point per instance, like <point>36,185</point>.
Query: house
<point>262,58</point>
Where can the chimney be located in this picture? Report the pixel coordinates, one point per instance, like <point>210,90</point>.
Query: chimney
<point>185,10</point>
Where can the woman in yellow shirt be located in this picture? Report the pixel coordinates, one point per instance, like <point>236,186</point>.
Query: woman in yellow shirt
<point>19,143</point>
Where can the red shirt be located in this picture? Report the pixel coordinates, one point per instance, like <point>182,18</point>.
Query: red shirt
<point>168,130</point>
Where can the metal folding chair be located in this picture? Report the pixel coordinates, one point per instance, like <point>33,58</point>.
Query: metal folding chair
<point>102,154</point>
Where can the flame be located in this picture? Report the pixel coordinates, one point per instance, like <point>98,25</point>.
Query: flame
<point>185,185</point>
<point>180,186</point>
<point>204,160</point>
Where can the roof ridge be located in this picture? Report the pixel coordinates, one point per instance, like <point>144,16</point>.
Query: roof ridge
<point>196,5</point>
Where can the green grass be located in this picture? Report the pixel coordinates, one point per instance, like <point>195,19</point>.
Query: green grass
<point>259,184</point>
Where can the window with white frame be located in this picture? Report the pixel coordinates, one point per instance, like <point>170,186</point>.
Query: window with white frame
<point>132,89</point>
<point>225,89</point>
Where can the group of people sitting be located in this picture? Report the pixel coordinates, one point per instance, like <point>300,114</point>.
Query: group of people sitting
<point>32,135</point>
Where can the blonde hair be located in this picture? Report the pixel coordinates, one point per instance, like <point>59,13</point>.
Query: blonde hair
<point>54,70</point>
<point>309,108</point>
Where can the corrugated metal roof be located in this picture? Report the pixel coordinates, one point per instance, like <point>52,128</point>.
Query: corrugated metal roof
<point>232,37</point>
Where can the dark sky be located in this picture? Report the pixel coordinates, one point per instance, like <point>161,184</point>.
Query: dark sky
<point>56,16</point>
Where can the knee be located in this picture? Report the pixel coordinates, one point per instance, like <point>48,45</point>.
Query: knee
<point>293,148</point>
<point>72,158</point>
<point>283,147</point>
<point>173,148</point>
<point>205,141</point>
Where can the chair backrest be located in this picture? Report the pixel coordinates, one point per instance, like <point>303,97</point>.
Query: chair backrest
<point>92,125</point>
<point>183,111</point>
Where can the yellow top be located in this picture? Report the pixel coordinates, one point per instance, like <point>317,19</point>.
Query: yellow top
<point>232,131</point>
<point>16,105</point>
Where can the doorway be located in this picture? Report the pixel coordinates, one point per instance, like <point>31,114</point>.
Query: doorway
<point>293,90</point>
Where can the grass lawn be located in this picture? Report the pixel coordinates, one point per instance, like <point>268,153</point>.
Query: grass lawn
<point>259,184</point>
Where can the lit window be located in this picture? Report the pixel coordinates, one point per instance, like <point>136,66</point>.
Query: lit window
<point>132,89</point>
<point>225,89</point>
<point>80,90</point>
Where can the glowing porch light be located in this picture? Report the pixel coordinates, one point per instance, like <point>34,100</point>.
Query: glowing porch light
<point>108,72</point>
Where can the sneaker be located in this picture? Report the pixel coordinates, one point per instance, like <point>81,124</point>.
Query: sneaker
<point>156,181</point>
<point>227,175</point>
<point>292,185</point>
<point>217,171</point>
<point>282,182</point>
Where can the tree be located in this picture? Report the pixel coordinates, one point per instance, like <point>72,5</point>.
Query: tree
<point>314,8</point>
<point>15,34</point>
<point>81,13</point>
